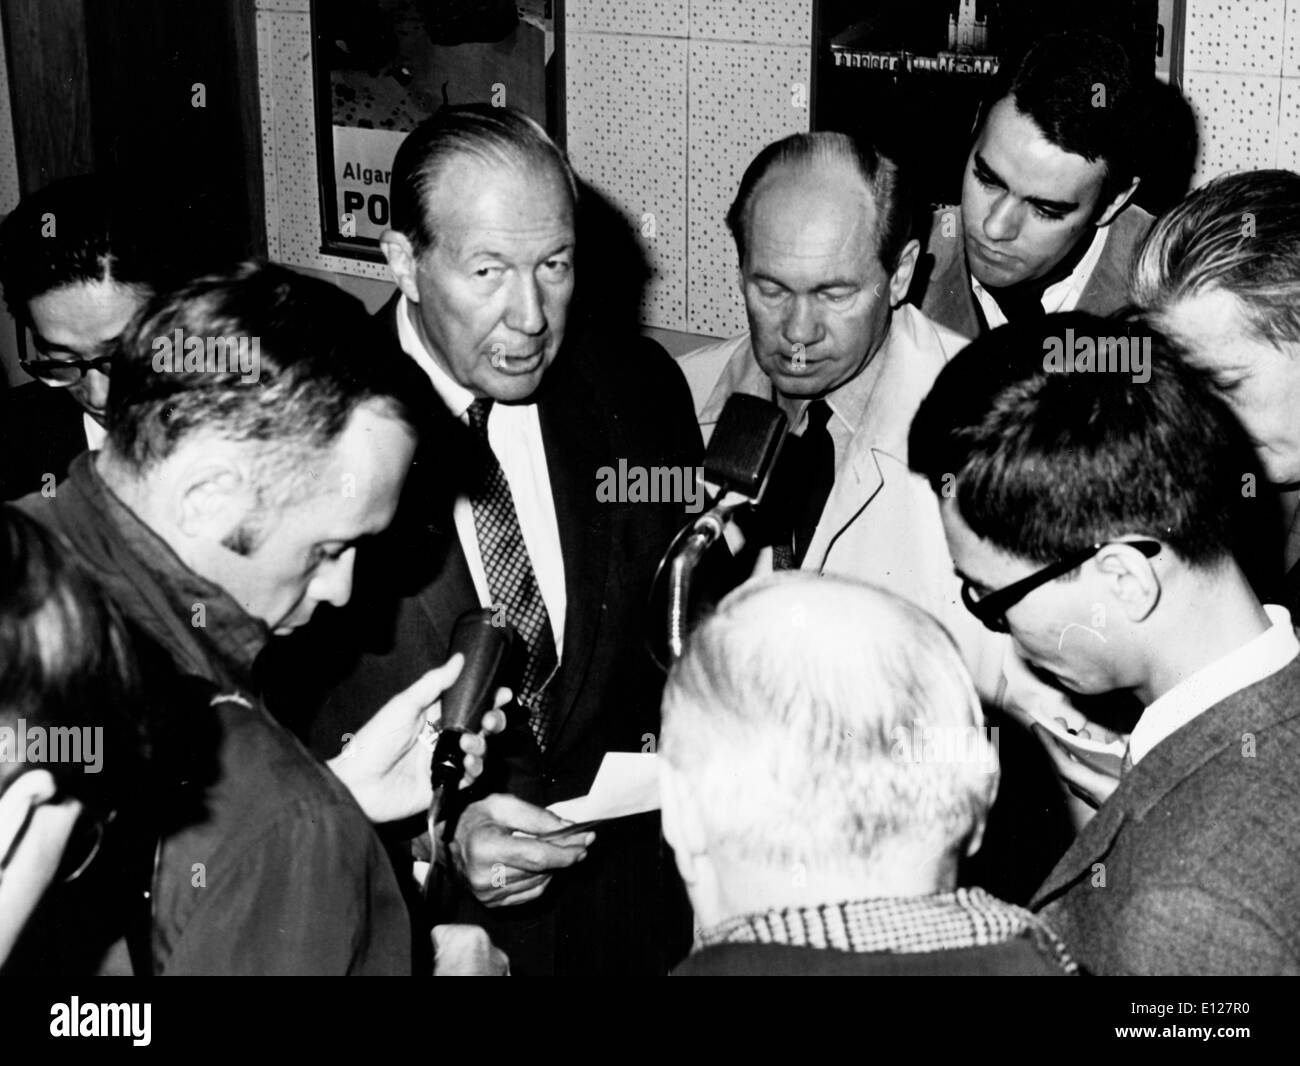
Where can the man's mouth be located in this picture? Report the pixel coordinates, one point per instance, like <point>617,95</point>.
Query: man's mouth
<point>518,362</point>
<point>989,255</point>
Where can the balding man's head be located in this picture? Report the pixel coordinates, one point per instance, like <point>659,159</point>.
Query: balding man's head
<point>823,724</point>
<point>827,152</point>
<point>824,236</point>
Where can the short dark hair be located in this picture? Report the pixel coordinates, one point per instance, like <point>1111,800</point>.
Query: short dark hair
<point>495,136</point>
<point>1047,463</point>
<point>1056,85</point>
<point>1239,233</point>
<point>895,214</point>
<point>320,356</point>
<point>77,230</point>
<point>67,660</point>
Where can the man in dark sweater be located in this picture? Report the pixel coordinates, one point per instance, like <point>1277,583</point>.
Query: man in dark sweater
<point>259,427</point>
<point>825,767</point>
<point>1093,507</point>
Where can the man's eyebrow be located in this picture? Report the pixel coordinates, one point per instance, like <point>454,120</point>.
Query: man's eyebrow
<point>1064,207</point>
<point>833,283</point>
<point>983,164</point>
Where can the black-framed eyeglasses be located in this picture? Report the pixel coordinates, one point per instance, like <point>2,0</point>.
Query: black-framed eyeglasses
<point>992,608</point>
<point>61,373</point>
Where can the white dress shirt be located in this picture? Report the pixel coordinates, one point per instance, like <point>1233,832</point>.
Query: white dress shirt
<point>1062,295</point>
<point>1255,660</point>
<point>515,436</point>
<point>95,433</point>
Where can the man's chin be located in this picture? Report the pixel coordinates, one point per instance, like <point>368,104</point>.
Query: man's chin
<point>509,386</point>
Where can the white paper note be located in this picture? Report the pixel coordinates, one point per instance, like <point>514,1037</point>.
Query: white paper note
<point>626,783</point>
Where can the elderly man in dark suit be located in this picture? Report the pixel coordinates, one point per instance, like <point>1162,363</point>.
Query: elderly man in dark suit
<point>502,510</point>
<point>1097,519</point>
<point>1046,221</point>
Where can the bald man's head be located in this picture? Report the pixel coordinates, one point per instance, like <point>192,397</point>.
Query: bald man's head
<point>824,722</point>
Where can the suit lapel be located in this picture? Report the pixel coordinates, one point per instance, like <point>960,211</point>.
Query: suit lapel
<point>905,368</point>
<point>856,483</point>
<point>1107,288</point>
<point>577,444</point>
<point>1173,761</point>
<point>452,594</point>
<point>950,299</point>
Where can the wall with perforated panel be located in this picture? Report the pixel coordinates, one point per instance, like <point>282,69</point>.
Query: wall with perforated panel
<point>1241,64</point>
<point>666,103</point>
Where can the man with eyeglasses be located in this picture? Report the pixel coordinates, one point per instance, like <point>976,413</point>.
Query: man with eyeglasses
<point>76,263</point>
<point>1097,519</point>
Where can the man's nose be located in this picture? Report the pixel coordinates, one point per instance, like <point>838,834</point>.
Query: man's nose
<point>1002,223</point>
<point>333,581</point>
<point>803,323</point>
<point>525,313</point>
<point>95,386</point>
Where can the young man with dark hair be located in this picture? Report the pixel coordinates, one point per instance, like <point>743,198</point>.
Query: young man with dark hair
<point>1045,222</point>
<point>1095,518</point>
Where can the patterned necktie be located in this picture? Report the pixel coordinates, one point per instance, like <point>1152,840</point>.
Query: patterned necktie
<point>512,583</point>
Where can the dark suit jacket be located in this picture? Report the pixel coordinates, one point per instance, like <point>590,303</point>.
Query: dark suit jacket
<point>41,432</point>
<point>1193,864</point>
<point>949,300</point>
<point>599,403</point>
<point>1019,956</point>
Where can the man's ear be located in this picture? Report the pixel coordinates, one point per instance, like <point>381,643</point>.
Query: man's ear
<point>682,827</point>
<point>901,280</point>
<point>976,838</point>
<point>1118,204</point>
<point>1133,581</point>
<point>401,258</point>
<point>213,496</point>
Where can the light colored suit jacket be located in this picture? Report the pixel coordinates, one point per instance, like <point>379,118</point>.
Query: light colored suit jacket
<point>881,521</point>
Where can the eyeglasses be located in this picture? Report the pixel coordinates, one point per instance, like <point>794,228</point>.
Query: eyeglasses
<point>60,373</point>
<point>992,608</point>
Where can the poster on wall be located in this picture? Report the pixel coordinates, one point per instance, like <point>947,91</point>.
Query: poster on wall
<point>382,68</point>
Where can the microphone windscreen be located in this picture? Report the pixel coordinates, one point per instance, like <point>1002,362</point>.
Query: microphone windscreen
<point>743,449</point>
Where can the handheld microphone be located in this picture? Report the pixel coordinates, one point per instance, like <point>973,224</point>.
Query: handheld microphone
<point>484,646</point>
<point>741,456</point>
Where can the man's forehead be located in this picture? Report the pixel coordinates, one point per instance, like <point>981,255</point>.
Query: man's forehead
<point>1032,167</point>
<point>807,216</point>
<point>1213,328</point>
<point>473,203</point>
